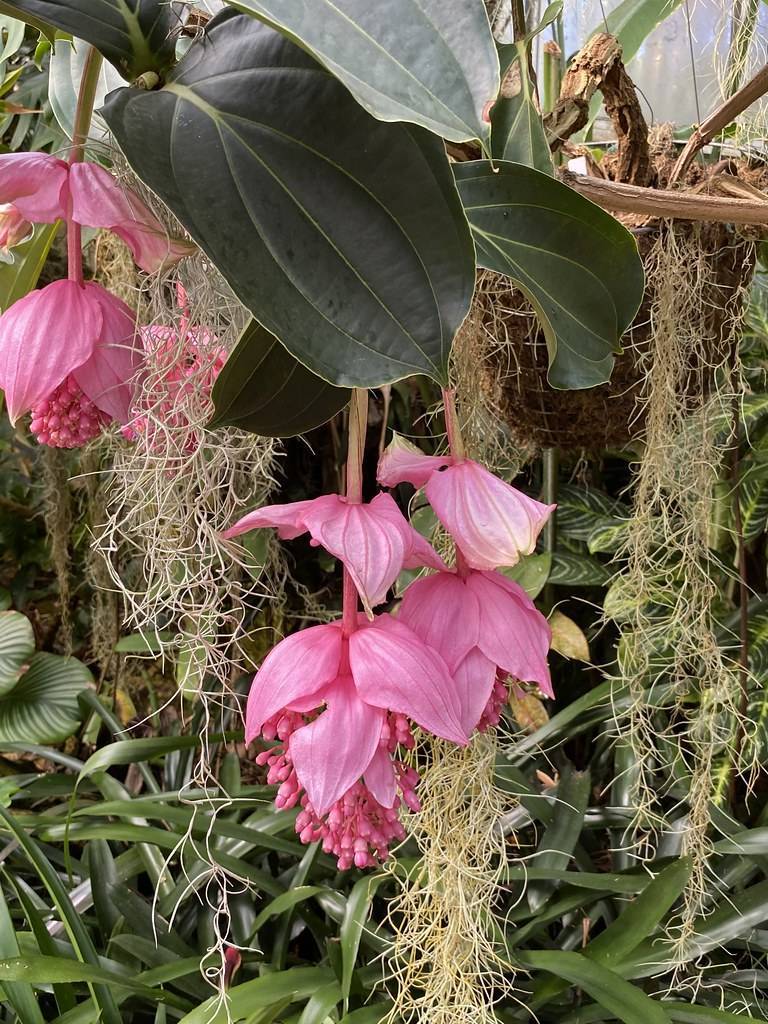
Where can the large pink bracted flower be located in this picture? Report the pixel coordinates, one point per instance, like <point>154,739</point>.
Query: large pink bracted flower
<point>373,540</point>
<point>492,523</point>
<point>68,353</point>
<point>42,188</point>
<point>486,628</point>
<point>368,685</point>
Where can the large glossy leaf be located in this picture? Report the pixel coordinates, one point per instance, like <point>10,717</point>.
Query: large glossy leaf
<point>42,706</point>
<point>432,62</point>
<point>343,235</point>
<point>576,264</point>
<point>295,984</point>
<point>135,35</point>
<point>17,645</point>
<point>264,389</point>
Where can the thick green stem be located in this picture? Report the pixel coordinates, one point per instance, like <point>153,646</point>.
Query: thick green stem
<point>552,69</point>
<point>358,424</point>
<point>86,98</point>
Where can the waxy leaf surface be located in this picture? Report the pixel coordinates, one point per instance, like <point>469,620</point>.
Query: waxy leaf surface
<point>578,266</point>
<point>432,62</point>
<point>343,235</point>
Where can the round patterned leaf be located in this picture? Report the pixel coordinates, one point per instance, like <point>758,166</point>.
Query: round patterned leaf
<point>42,706</point>
<point>17,645</point>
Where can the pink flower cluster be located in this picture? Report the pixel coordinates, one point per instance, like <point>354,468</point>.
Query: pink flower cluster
<point>70,351</point>
<point>338,703</point>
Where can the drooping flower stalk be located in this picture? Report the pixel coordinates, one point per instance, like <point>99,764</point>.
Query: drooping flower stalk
<point>86,99</point>
<point>356,432</point>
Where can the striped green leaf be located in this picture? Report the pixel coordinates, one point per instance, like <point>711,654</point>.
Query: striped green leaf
<point>42,706</point>
<point>17,645</point>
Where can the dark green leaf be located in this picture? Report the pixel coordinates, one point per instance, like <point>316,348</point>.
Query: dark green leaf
<point>627,1002</point>
<point>576,264</point>
<point>344,236</point>
<point>432,62</point>
<point>264,389</point>
<point>517,131</point>
<point>560,837</point>
<point>44,970</point>
<point>78,933</point>
<point>135,35</point>
<point>642,916</point>
<point>19,993</point>
<point>294,984</point>
<point>355,916</point>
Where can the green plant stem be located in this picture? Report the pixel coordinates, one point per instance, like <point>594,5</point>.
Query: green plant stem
<point>86,98</point>
<point>551,465</point>
<point>551,76</point>
<point>358,425</point>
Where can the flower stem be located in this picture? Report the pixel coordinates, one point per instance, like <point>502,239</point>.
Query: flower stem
<point>452,428</point>
<point>358,424</point>
<point>456,445</point>
<point>86,98</point>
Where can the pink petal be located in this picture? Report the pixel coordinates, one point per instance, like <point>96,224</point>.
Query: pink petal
<point>331,753</point>
<point>98,201</point>
<point>43,338</point>
<point>370,539</point>
<point>36,184</point>
<point>14,229</point>
<point>444,614</point>
<point>422,553</point>
<point>380,778</point>
<point>513,632</point>
<point>493,523</point>
<point>474,679</point>
<point>289,519</point>
<point>393,669</point>
<point>298,666</point>
<point>404,461</point>
<point>107,376</point>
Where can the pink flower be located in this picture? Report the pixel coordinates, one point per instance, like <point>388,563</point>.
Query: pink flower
<point>36,184</point>
<point>368,685</point>
<point>484,625</point>
<point>374,540</point>
<point>68,334</point>
<point>43,189</point>
<point>14,229</point>
<point>492,523</point>
<point>98,201</point>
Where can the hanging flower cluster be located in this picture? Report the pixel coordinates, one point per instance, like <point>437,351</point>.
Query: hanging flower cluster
<point>338,701</point>
<point>70,351</point>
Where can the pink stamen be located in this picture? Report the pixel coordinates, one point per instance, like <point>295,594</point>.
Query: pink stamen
<point>67,418</point>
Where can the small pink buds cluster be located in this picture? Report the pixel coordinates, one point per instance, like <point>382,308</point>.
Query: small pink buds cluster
<point>357,830</point>
<point>70,352</point>
<point>341,700</point>
<point>67,418</point>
